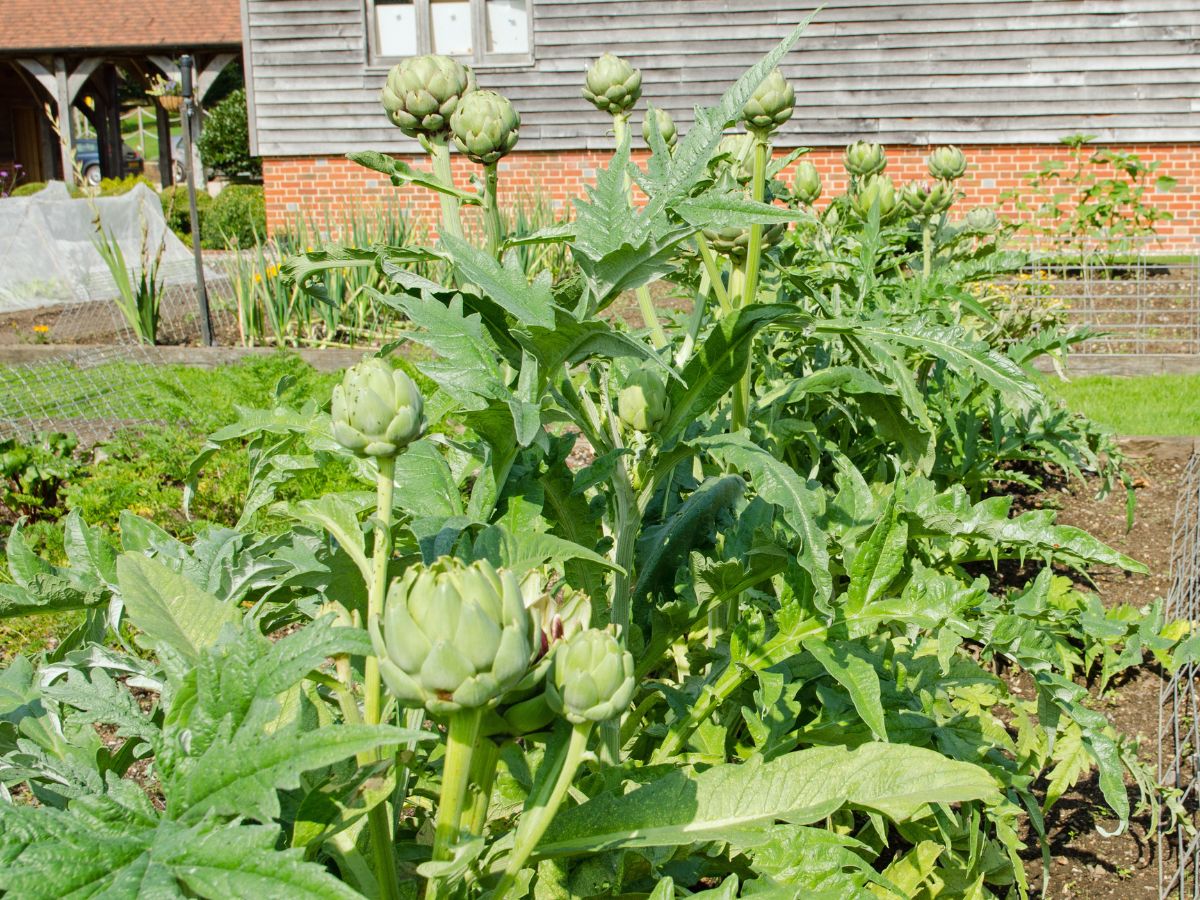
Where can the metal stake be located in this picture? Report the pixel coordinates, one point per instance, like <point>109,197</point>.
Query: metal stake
<point>189,112</point>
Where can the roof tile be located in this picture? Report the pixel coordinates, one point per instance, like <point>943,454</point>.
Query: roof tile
<point>43,25</point>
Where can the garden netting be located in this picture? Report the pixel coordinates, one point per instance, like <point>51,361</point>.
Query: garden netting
<point>48,252</point>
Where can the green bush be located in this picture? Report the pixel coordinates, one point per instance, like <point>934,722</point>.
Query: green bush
<point>238,214</point>
<point>225,139</point>
<point>114,187</point>
<point>177,213</point>
<point>29,187</point>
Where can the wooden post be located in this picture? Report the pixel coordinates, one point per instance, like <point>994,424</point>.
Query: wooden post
<point>166,153</point>
<point>111,146</point>
<point>66,126</point>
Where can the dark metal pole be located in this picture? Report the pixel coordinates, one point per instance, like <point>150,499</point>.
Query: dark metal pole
<point>189,112</point>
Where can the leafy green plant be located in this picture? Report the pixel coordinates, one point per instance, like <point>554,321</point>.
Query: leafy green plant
<point>177,212</point>
<point>139,289</point>
<point>33,473</point>
<point>747,645</point>
<point>236,215</point>
<point>224,141</point>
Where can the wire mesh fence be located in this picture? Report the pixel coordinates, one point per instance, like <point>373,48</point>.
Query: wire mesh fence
<point>1179,706</point>
<point>1141,306</point>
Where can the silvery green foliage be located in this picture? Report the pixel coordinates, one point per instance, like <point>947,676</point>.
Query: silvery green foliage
<point>454,636</point>
<point>377,410</point>
<point>612,85</point>
<point>422,92</point>
<point>485,127</point>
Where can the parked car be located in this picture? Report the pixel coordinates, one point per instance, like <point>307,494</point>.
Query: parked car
<point>87,156</point>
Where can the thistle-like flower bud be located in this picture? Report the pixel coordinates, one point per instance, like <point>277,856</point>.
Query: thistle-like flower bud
<point>734,242</point>
<point>666,127</point>
<point>947,163</point>
<point>453,636</point>
<point>591,679</point>
<point>422,92</point>
<point>863,159</point>
<point>875,190</point>
<point>485,126</point>
<point>926,200</point>
<point>808,183</point>
<point>376,409</point>
<point>642,403</point>
<point>981,220</point>
<point>612,85</point>
<point>770,105</point>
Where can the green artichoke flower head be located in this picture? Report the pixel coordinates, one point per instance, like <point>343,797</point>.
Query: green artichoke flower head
<point>591,679</point>
<point>981,219</point>
<point>666,127</point>
<point>454,636</point>
<point>377,410</point>
<point>807,186</point>
<point>873,190</point>
<point>927,200</point>
<point>770,105</point>
<point>863,159</point>
<point>485,126</point>
<point>422,92</point>
<point>612,85</point>
<point>947,163</point>
<point>735,156</point>
<point>642,403</point>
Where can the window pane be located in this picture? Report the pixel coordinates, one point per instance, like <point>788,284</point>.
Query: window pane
<point>451,27</point>
<point>397,29</point>
<point>508,26</point>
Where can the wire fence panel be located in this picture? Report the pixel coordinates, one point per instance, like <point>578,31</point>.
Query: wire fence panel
<point>1145,306</point>
<point>1179,705</point>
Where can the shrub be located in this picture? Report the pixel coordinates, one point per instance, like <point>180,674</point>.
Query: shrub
<point>238,213</point>
<point>225,139</point>
<point>114,187</point>
<point>29,187</point>
<point>178,215</point>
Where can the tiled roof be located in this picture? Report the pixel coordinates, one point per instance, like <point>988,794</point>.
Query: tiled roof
<point>43,25</point>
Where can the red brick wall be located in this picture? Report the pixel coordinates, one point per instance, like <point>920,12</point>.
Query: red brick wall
<point>314,186</point>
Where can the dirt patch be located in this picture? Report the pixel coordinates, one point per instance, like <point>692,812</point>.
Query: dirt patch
<point>1084,862</point>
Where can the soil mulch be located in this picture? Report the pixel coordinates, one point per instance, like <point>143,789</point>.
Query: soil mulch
<point>1085,863</point>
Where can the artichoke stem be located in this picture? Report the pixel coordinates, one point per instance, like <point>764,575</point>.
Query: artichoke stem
<point>456,770</point>
<point>714,274</point>
<point>927,248</point>
<point>491,211</point>
<point>540,812</point>
<point>385,485</point>
<point>483,775</point>
<point>439,153</point>
<point>741,391</point>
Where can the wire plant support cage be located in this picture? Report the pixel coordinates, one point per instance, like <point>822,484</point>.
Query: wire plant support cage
<point>1178,849</point>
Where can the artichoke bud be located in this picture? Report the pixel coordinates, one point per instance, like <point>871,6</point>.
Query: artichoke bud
<point>863,159</point>
<point>591,679</point>
<point>453,636</point>
<point>947,163</point>
<point>981,220</point>
<point>736,155</point>
<point>666,127</point>
<point>875,190</point>
<point>612,85</point>
<point>770,105</point>
<point>485,126</point>
<point>642,403</point>
<point>377,410</point>
<point>422,92</point>
<point>807,185</point>
<point>925,200</point>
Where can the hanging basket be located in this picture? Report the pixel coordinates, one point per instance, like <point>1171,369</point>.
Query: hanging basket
<point>171,102</point>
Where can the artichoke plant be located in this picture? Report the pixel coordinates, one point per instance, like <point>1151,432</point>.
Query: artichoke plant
<point>863,159</point>
<point>642,403</point>
<point>421,93</point>
<point>770,105</point>
<point>612,85</point>
<point>453,636</point>
<point>666,127</point>
<point>875,190</point>
<point>807,187</point>
<point>377,410</point>
<point>485,126</point>
<point>734,242</point>
<point>924,200</point>
<point>591,679</point>
<point>981,220</point>
<point>947,163</point>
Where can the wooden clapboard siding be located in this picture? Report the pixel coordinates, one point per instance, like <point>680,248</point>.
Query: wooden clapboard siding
<point>898,71</point>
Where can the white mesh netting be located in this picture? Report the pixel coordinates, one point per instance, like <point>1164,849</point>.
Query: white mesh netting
<point>48,253</point>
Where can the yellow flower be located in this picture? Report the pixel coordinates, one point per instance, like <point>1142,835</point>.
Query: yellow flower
<point>41,329</point>
<point>257,278</point>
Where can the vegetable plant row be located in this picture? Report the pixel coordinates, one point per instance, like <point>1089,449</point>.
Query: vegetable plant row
<point>773,639</point>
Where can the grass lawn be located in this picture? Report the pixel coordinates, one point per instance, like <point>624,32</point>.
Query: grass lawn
<point>1148,404</point>
<point>129,131</point>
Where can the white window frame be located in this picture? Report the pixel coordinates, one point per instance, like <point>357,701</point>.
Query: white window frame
<point>423,16</point>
